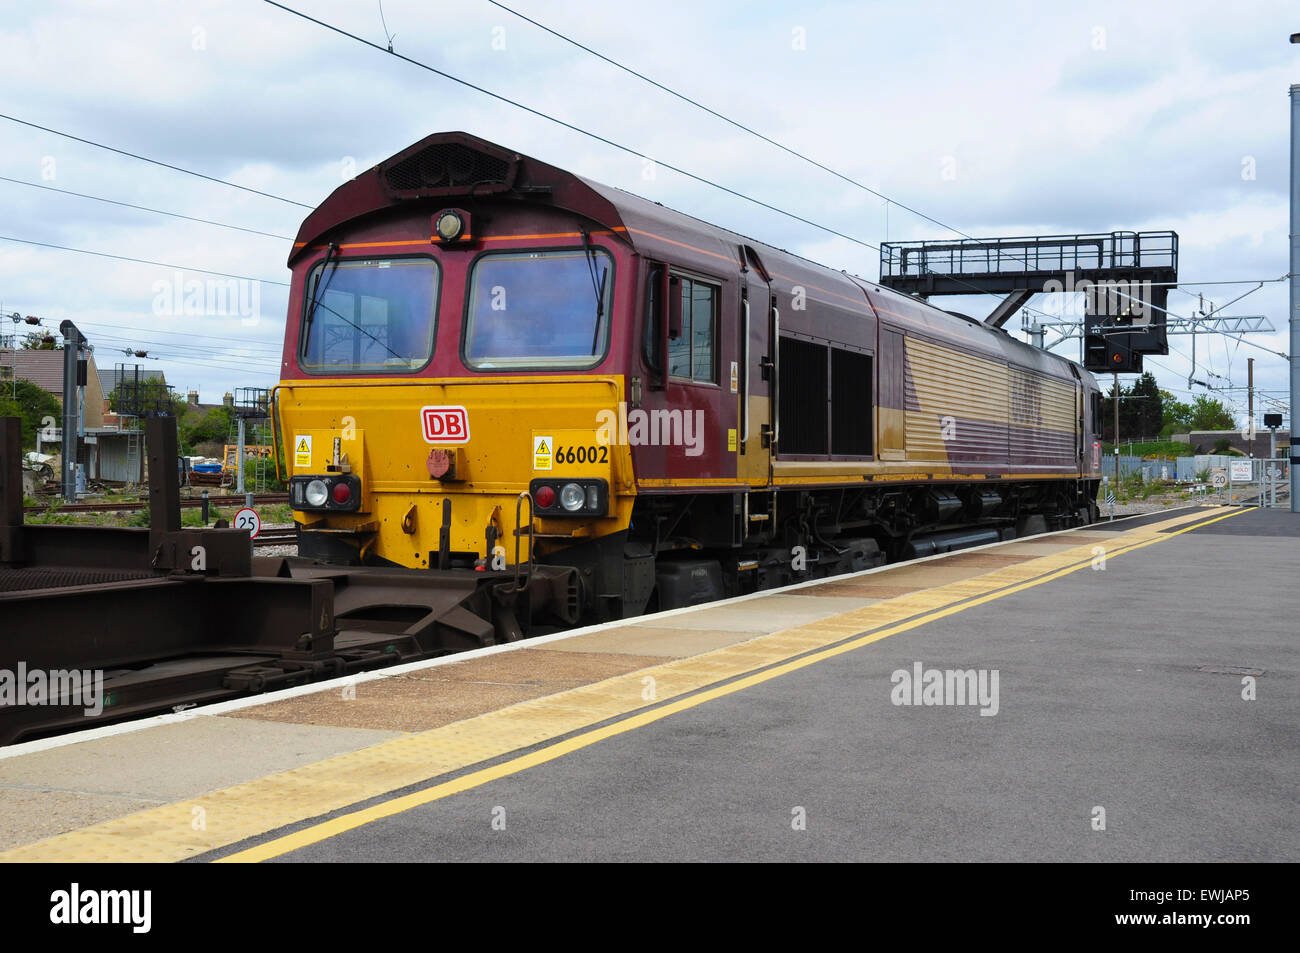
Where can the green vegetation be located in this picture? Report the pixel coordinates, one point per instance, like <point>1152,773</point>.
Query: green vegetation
<point>1152,448</point>
<point>206,426</point>
<point>270,482</point>
<point>1140,409</point>
<point>32,405</point>
<point>1203,413</point>
<point>190,516</point>
<point>1131,489</point>
<point>35,341</point>
<point>1146,411</point>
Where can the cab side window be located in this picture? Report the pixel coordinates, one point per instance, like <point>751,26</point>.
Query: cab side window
<point>691,355</point>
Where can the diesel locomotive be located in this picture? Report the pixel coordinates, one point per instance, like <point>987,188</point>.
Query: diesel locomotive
<point>602,406</point>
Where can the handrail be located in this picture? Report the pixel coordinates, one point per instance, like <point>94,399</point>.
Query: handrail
<point>744,394</point>
<point>525,495</point>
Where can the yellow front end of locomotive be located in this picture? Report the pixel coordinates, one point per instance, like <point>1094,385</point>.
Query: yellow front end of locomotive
<point>415,455</point>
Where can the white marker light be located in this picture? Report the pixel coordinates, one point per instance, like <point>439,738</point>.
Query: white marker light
<point>317,493</point>
<point>572,497</point>
<point>449,226</point>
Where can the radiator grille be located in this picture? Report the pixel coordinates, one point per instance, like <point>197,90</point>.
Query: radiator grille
<point>448,168</point>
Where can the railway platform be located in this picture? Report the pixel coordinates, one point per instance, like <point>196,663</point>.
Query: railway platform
<point>1124,692</point>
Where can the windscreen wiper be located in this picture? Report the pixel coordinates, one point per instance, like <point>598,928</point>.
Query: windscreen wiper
<point>598,287</point>
<point>317,292</point>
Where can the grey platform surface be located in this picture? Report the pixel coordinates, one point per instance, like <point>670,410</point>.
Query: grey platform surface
<point>1118,689</point>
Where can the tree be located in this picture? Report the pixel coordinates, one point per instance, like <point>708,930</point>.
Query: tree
<point>1209,414</point>
<point>35,341</point>
<point>1145,410</point>
<point>146,397</point>
<point>32,406</point>
<point>213,425</point>
<point>1108,414</point>
<point>1176,416</point>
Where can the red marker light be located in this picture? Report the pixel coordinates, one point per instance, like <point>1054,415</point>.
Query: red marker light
<point>545,497</point>
<point>342,493</point>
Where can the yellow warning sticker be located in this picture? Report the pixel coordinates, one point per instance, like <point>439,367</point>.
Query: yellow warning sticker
<point>543,452</point>
<point>731,440</point>
<point>302,450</point>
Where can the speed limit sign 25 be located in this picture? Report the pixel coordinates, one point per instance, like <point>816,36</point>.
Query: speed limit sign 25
<point>248,519</point>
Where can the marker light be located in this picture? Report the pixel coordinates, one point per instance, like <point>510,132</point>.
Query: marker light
<point>316,493</point>
<point>545,497</point>
<point>572,497</point>
<point>342,493</point>
<point>449,226</point>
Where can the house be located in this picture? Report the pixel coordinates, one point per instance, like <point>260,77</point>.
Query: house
<point>45,370</point>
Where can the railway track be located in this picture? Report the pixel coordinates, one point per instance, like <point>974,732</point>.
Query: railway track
<point>277,537</point>
<point>216,501</point>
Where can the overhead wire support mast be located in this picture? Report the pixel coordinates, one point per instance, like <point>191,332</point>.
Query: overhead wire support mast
<point>1295,291</point>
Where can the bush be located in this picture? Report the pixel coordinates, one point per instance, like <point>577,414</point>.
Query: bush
<point>31,405</point>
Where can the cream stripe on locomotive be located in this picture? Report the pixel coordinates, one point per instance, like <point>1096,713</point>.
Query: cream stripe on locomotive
<point>965,404</point>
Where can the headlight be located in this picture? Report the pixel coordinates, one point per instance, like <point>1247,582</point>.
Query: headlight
<point>317,493</point>
<point>572,497</point>
<point>449,226</point>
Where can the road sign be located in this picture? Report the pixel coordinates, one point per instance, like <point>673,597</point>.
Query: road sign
<point>1219,478</point>
<point>248,519</point>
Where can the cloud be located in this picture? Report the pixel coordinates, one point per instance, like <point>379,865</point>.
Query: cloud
<point>1113,116</point>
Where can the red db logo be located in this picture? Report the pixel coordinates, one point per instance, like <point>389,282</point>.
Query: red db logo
<point>445,424</point>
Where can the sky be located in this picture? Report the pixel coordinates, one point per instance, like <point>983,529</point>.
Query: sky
<point>995,119</point>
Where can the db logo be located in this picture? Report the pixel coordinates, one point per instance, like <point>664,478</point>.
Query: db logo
<point>445,424</point>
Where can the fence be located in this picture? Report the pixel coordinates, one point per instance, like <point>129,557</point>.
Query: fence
<point>1182,469</point>
<point>1269,484</point>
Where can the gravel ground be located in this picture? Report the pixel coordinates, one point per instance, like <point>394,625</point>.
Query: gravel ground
<point>289,550</point>
<point>1139,507</point>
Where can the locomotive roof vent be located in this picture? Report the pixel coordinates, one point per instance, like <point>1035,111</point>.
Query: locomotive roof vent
<point>449,168</point>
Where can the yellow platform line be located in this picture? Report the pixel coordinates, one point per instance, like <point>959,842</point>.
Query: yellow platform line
<point>191,827</point>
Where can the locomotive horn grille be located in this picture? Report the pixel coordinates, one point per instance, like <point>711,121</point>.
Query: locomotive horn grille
<point>449,169</point>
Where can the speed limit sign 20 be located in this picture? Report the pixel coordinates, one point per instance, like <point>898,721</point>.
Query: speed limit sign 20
<point>248,519</point>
